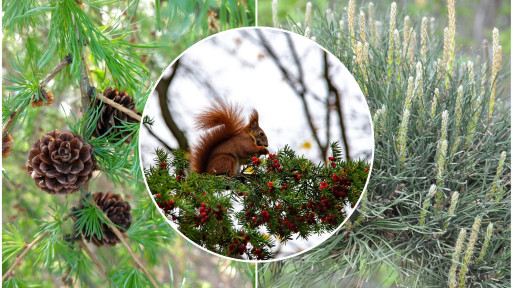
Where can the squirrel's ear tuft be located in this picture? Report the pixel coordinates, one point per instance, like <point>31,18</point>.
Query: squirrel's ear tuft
<point>253,119</point>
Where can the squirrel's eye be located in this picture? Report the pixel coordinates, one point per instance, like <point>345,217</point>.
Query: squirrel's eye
<point>261,133</point>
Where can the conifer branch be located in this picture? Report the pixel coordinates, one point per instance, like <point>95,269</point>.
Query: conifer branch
<point>121,108</point>
<point>338,102</point>
<point>65,62</point>
<point>85,87</point>
<point>93,258</point>
<point>12,118</point>
<point>123,241</point>
<point>10,121</point>
<point>9,272</point>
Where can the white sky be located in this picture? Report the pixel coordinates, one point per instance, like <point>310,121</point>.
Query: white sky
<point>240,70</point>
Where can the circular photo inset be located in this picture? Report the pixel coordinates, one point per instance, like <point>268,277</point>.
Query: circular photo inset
<point>257,144</point>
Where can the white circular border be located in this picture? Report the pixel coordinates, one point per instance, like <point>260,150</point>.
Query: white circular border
<point>244,260</point>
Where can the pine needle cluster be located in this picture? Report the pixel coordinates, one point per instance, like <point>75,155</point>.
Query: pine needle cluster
<point>437,209</point>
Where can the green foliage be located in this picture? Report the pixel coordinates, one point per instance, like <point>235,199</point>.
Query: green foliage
<point>130,277</point>
<point>26,85</point>
<point>386,233</point>
<point>12,242</point>
<point>71,29</point>
<point>18,15</point>
<point>285,194</point>
<point>109,45</point>
<point>90,219</point>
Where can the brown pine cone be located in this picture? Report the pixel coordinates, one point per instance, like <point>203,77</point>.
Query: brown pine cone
<point>111,117</point>
<point>117,210</point>
<point>7,143</point>
<point>48,99</point>
<point>61,162</point>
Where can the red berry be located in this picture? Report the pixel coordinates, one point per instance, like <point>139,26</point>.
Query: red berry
<point>158,195</point>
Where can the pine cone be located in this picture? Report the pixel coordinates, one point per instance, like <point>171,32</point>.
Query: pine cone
<point>7,143</point>
<point>117,210</point>
<point>48,99</point>
<point>111,117</point>
<point>61,162</point>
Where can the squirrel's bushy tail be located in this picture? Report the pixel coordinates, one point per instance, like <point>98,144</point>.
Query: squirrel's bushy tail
<point>222,120</point>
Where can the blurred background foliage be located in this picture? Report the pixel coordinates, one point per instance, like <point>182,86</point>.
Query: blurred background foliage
<point>149,34</point>
<point>475,18</point>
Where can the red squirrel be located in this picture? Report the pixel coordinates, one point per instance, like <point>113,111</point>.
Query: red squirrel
<point>227,142</point>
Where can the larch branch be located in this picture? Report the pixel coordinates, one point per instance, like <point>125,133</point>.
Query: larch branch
<point>9,272</point>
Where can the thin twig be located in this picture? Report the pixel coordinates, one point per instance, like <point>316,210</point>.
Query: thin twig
<point>119,107</point>
<point>338,103</point>
<point>136,260</point>
<point>12,118</point>
<point>85,87</point>
<point>93,258</point>
<point>65,62</point>
<point>293,83</point>
<point>9,272</point>
<point>157,137</point>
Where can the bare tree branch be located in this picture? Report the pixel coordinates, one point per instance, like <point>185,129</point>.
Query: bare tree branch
<point>300,91</point>
<point>202,80</point>
<point>332,90</point>
<point>169,148</point>
<point>162,88</point>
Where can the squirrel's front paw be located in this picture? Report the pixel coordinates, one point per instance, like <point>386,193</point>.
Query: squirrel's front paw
<point>263,151</point>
